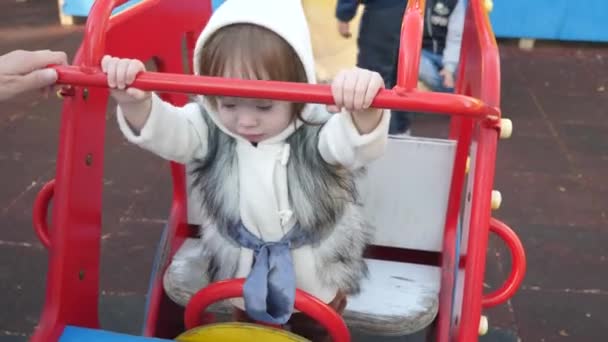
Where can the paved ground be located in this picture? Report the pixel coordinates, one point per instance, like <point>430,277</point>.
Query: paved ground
<point>551,174</point>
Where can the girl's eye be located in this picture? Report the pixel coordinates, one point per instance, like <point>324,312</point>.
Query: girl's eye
<point>264,108</point>
<point>228,105</point>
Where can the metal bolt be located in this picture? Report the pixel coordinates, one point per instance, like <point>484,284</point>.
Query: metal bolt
<point>65,91</point>
<point>85,93</point>
<point>81,275</point>
<point>89,159</point>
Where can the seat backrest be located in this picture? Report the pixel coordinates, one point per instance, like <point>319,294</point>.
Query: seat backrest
<point>406,192</point>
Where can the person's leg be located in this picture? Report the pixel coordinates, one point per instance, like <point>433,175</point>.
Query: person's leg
<point>429,70</point>
<point>430,66</point>
<point>375,49</point>
<point>378,43</point>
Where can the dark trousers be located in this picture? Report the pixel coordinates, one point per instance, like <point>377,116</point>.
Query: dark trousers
<point>378,44</point>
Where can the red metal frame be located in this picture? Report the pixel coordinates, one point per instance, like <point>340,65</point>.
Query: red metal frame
<point>72,285</point>
<point>304,302</point>
<point>41,206</point>
<point>73,277</point>
<point>410,45</point>
<point>479,77</point>
<point>518,270</point>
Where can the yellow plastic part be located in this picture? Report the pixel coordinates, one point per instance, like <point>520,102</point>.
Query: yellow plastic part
<point>506,128</point>
<point>488,5</point>
<point>238,332</point>
<point>496,199</point>
<point>483,325</point>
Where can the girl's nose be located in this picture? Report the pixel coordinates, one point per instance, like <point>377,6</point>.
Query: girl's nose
<point>247,120</point>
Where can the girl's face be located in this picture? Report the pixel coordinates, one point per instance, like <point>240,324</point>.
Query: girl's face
<point>254,119</point>
<point>251,52</point>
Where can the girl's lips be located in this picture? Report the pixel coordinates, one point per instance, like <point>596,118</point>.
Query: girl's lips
<point>253,137</point>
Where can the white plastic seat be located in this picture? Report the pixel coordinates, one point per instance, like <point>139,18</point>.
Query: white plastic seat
<point>397,299</point>
<point>405,195</point>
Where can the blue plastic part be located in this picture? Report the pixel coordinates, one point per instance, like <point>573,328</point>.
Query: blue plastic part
<point>216,3</point>
<point>77,334</point>
<point>551,19</point>
<point>81,8</point>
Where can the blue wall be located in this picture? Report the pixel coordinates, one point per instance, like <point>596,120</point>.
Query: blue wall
<point>583,20</point>
<point>81,8</point>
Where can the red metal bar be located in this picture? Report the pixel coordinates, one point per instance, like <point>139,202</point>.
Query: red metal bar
<point>410,45</point>
<point>41,206</point>
<point>440,103</point>
<point>304,302</point>
<point>518,265</point>
<point>478,237</point>
<point>94,41</point>
<point>484,81</point>
<point>448,256</point>
<point>155,322</point>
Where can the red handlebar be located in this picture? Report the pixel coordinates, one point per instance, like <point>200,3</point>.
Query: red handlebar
<point>41,205</point>
<point>304,302</point>
<point>518,268</point>
<point>440,103</point>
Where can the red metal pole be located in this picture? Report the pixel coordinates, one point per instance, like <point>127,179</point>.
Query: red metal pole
<point>410,45</point>
<point>94,41</point>
<point>440,103</point>
<point>482,80</point>
<point>449,258</point>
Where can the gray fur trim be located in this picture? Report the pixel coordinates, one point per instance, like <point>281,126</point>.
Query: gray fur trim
<point>198,263</point>
<point>339,257</point>
<point>216,177</point>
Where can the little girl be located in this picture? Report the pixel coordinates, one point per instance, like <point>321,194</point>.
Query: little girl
<point>275,180</point>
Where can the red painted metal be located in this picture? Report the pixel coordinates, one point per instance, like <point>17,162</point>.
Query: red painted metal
<point>440,103</point>
<point>448,257</point>
<point>304,302</point>
<point>518,265</point>
<point>41,205</point>
<point>480,79</point>
<point>410,45</point>
<point>73,276</point>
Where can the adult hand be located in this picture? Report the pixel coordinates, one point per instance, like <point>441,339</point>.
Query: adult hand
<point>22,71</point>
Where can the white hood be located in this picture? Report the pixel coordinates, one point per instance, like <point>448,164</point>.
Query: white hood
<point>284,17</point>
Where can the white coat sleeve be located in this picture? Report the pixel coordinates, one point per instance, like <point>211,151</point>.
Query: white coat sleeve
<point>341,144</point>
<point>174,133</point>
